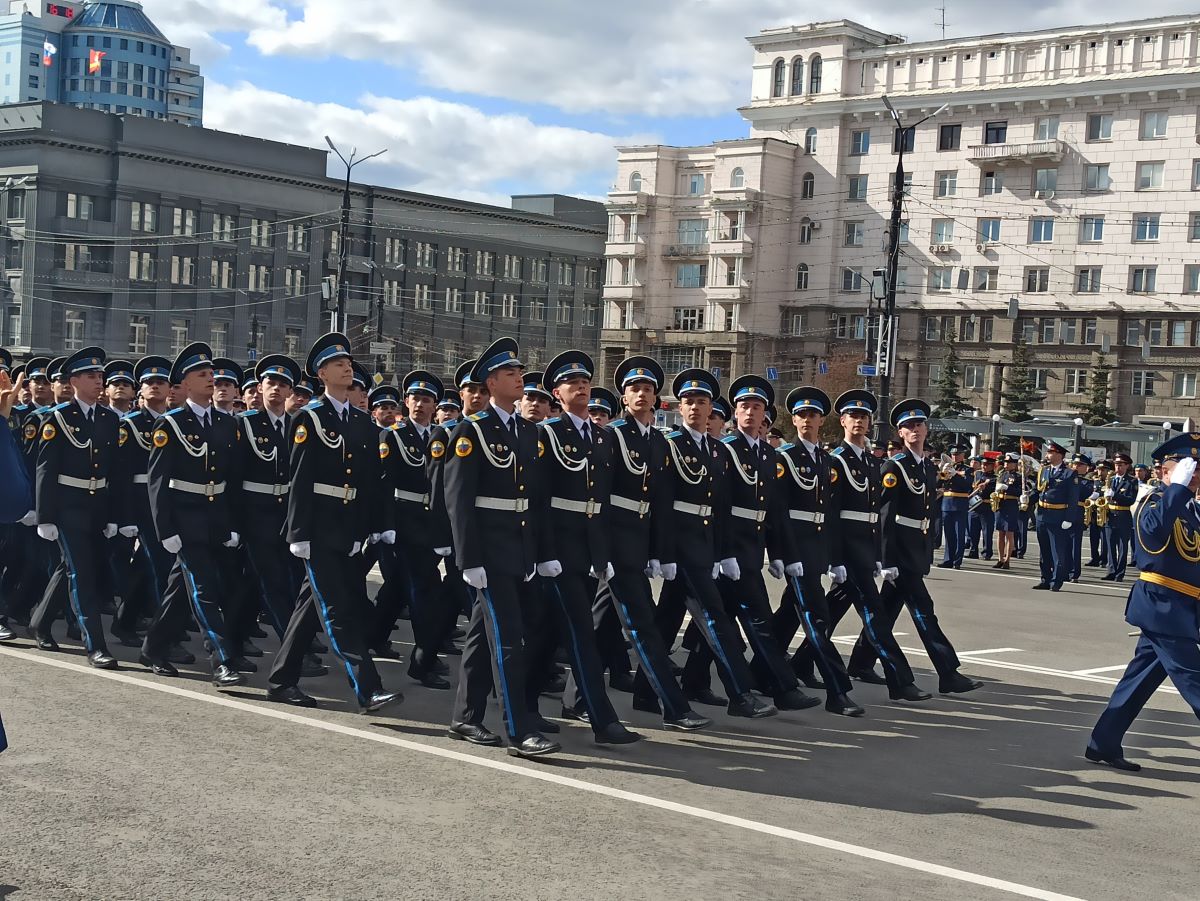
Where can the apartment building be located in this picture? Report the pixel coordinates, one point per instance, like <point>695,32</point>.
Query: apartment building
<point>1056,196</point>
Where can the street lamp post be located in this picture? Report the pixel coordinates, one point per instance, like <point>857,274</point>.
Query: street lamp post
<point>252,344</point>
<point>344,230</point>
<point>1078,437</point>
<point>995,436</point>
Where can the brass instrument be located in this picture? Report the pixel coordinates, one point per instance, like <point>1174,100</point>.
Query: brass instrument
<point>995,498</point>
<point>1102,505</point>
<point>1089,510</point>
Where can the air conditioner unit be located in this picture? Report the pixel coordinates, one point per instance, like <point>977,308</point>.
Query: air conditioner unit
<point>816,226</point>
<point>933,248</point>
<point>1043,195</point>
<point>982,248</point>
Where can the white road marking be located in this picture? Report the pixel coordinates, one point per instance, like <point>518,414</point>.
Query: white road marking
<point>1124,589</point>
<point>532,772</point>
<point>1099,669</point>
<point>989,651</point>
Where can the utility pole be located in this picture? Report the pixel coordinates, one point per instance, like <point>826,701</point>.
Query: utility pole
<point>344,231</point>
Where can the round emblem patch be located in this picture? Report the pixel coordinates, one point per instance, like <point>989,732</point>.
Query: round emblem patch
<point>30,432</point>
<point>48,432</point>
<point>383,450</point>
<point>541,449</point>
<point>833,476</point>
<point>122,436</point>
<point>437,450</point>
<point>779,470</point>
<point>463,447</point>
<point>160,438</point>
<point>889,480</point>
<point>301,435</point>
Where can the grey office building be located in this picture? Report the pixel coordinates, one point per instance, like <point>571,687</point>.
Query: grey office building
<point>140,235</point>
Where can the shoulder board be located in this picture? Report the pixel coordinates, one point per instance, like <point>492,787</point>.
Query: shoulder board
<point>837,451</point>
<point>897,456</point>
<point>551,421</point>
<point>616,424</point>
<point>314,404</point>
<point>785,447</point>
<point>174,412</point>
<point>675,434</point>
<point>131,415</point>
<point>61,406</point>
<point>41,410</point>
<point>729,439</point>
<point>249,413</point>
<point>475,417</point>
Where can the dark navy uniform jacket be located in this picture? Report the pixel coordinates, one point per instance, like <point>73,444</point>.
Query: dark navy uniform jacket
<point>201,465</point>
<point>577,481</point>
<point>74,464</point>
<point>1168,546</point>
<point>640,505</point>
<point>260,497</point>
<point>806,484</point>
<point>440,535</point>
<point>405,459</point>
<point>1125,492</point>
<point>131,479</point>
<point>957,489</point>
<point>16,490</point>
<point>757,515</point>
<point>699,507</point>
<point>855,502</point>
<point>909,513</point>
<point>1084,489</point>
<point>1057,494</point>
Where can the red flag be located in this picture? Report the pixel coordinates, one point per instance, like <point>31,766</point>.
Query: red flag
<point>94,57</point>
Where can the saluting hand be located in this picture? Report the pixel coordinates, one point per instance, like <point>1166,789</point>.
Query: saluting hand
<point>9,393</point>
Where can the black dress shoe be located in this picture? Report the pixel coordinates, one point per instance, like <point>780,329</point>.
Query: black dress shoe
<point>972,556</point>
<point>312,667</point>
<point>47,643</point>
<point>544,725</point>
<point>450,648</point>
<point>616,734</point>
<point>869,676</point>
<point>555,685</point>
<point>380,699</point>
<point>573,713</point>
<point>999,564</point>
<point>813,682</point>
<point>431,680</point>
<point>958,684</point>
<point>621,680</point>
<point>459,632</point>
<point>256,631</point>
<point>158,667</point>
<point>1116,761</point>
<point>795,700</point>
<point>225,676</point>
<point>404,613</point>
<point>250,649</point>
<point>126,636</point>
<point>707,696</point>
<point>102,660</point>
<point>475,734</point>
<point>689,722</point>
<point>946,565</point>
<point>317,647</point>
<point>646,705</point>
<point>534,745</point>
<point>385,652</point>
<point>1056,586</point>
<point>843,706</point>
<point>1041,586</point>
<point>242,665</point>
<point>751,707</point>
<point>910,692</point>
<point>108,608</point>
<point>290,694</point>
<point>7,634</point>
<point>177,653</point>
<point>1107,578</point>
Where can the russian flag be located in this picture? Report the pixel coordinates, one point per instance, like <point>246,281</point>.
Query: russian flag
<point>48,51</point>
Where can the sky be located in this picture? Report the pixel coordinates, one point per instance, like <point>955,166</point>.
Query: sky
<point>481,99</point>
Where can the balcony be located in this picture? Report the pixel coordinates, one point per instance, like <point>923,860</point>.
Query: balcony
<point>685,251</point>
<point>94,275</point>
<point>623,292</point>
<point>625,246</point>
<point>187,90</point>
<point>1017,154</point>
<point>734,198</point>
<point>726,244</point>
<point>628,202</point>
<point>737,293</point>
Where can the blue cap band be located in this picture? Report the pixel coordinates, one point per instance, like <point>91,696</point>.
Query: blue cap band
<point>855,405</point>
<point>750,392</point>
<point>508,358</point>
<point>693,385</point>
<point>227,374</point>
<point>199,361</point>
<point>913,414</point>
<point>87,364</point>
<point>572,370</point>
<point>120,374</point>
<point>421,387</point>
<point>639,374</point>
<point>281,372</point>
<point>330,353</point>
<point>808,403</point>
<point>601,404</point>
<point>35,373</point>
<point>155,372</point>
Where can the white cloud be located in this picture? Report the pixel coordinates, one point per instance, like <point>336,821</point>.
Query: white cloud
<point>433,146</point>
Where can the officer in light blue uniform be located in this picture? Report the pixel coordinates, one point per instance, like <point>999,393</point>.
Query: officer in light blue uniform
<point>956,496</point>
<point>1058,496</point>
<point>1121,494</point>
<point>1085,489</point>
<point>1164,603</point>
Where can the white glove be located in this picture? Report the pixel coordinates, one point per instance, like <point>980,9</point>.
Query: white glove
<point>891,574</point>
<point>476,577</point>
<point>173,544</point>
<point>653,569</point>
<point>29,519</point>
<point>1095,495</point>
<point>355,548</point>
<point>1066,524</point>
<point>775,568</point>
<point>670,571</point>
<point>234,540</point>
<point>1023,500</point>
<point>549,569</point>
<point>110,529</point>
<point>49,531</point>
<point>388,537</point>
<point>301,550</point>
<point>1110,493</point>
<point>730,569</point>
<point>1183,471</point>
<point>129,531</point>
<point>794,570</point>
<point>373,538</point>
<point>837,574</point>
<point>533,572</point>
<point>443,551</point>
<point>878,569</point>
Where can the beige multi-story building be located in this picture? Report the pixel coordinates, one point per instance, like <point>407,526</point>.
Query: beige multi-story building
<point>1056,196</point>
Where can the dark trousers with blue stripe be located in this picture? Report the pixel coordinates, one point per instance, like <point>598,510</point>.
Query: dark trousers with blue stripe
<point>1054,551</point>
<point>954,528</point>
<point>332,599</point>
<point>809,609</point>
<point>493,654</point>
<point>1098,543</point>
<point>76,581</point>
<point>276,575</point>
<point>981,526</point>
<point>150,567</point>
<point>1154,659</point>
<point>634,605</point>
<point>1118,536</point>
<point>909,589</point>
<point>194,589</point>
<point>41,560</point>
<point>570,597</point>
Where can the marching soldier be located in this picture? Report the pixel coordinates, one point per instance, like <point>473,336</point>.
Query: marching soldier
<point>981,520</point>
<point>1096,532</point>
<point>721,414</point>
<point>1081,464</point>
<point>1122,494</point>
<point>189,469</point>
<point>302,394</point>
<point>227,384</point>
<point>251,396</point>
<point>602,406</point>
<point>449,408</point>
<point>956,496</point>
<point>1058,496</point>
<point>909,520</point>
<point>537,400</point>
<point>1009,513</point>
<point>383,401</point>
<point>119,386</point>
<point>74,505</point>
<point>489,488</point>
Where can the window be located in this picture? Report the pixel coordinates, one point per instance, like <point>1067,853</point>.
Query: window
<point>537,309</point>
<point>512,269</point>
<point>993,183</point>
<point>986,329</point>
<point>76,257</point>
<point>563,312</point>
<point>180,329</point>
<point>690,275</point>
<point>456,259</point>
<point>394,251</point>
<point>1049,326</point>
<point>297,238</point>
<point>802,277</point>
<point>482,305</point>
<point>793,322</point>
<point>80,206</point>
<point>139,334</point>
<point>218,338</point>
<point>858,187</point>
<point>74,327</point>
<point>1041,229</point>
<point>949,137</point>
<point>814,75</point>
<point>860,142</point>
<point>947,184</point>
<point>1178,335</point>
<point>1087,280</point>
<point>1150,176</point>
<point>931,328</point>
<point>1046,128</point>
<point>1194,227</point>
<point>689,319</point>
<point>1045,181</point>
<point>935,374</point>
<point>691,233</point>
<point>260,278</point>
<point>1096,178</point>
<point>1142,279</point>
<point>221,274</point>
<point>904,140</point>
<point>907,186</point>
<point>1184,384</point>
<point>806,230</point>
<point>941,278</point>
<point>295,280</point>
<point>1027,329</point>
<point>1154,125</point>
<point>852,279</point>
<point>987,279</point>
<point>185,222</point>
<point>854,234</point>
<point>737,178</point>
<point>591,274</point>
<point>143,217</point>
<point>1037,280</point>
<point>1191,279</point>
<point>1154,332</point>
<point>810,141</point>
<point>1040,378</point>
<point>260,232</point>
<point>778,75</point>
<point>423,297</point>
<point>988,231</point>
<point>1091,229</point>
<point>943,231</point>
<point>222,227</point>
<point>1133,332</point>
<point>1145,226</point>
<point>1099,127</point>
<point>141,266</point>
<point>1142,384</point>
<point>695,184</point>
<point>183,270</point>
<point>1075,381</point>
<point>392,292</point>
<point>807,184</point>
<point>1068,331</point>
<point>966,331</point>
<point>1196,175</point>
<point>427,254</point>
<point>635,181</point>
<point>797,76</point>
<point>485,262</point>
<point>454,302</point>
<point>995,132</point>
<point>903,231</point>
<point>508,306</point>
<point>1089,331</point>
<point>973,377</point>
<point>291,342</point>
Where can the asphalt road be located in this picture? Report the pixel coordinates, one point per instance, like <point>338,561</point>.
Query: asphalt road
<point>125,785</point>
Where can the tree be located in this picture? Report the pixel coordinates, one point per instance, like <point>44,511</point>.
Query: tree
<point>948,399</point>
<point>1020,392</point>
<point>841,375</point>
<point>1095,410</point>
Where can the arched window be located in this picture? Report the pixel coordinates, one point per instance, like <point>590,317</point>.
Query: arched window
<point>806,230</point>
<point>814,75</point>
<point>807,186</point>
<point>802,277</point>
<point>635,181</point>
<point>737,178</point>
<point>810,141</point>
<point>797,76</point>
<point>778,74</point>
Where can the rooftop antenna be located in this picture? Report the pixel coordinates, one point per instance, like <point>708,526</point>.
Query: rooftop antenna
<point>942,23</point>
